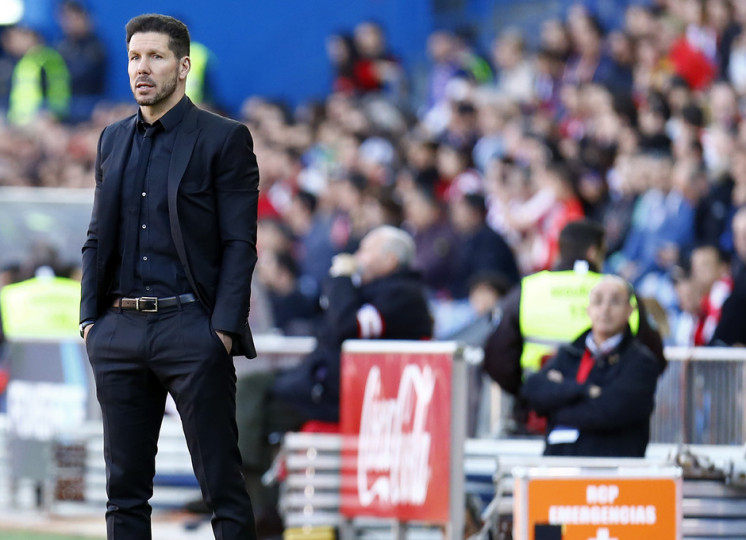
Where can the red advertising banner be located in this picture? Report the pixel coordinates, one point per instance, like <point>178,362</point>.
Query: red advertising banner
<point>396,426</point>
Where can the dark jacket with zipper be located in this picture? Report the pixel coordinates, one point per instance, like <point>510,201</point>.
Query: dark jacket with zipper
<point>614,424</point>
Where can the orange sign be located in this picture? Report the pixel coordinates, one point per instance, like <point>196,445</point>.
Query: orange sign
<point>599,508</point>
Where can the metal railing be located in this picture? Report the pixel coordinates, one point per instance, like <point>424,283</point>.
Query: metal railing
<point>700,398</point>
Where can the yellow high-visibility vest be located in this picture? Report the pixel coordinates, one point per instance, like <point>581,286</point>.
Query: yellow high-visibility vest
<point>41,307</point>
<point>553,312</point>
<point>195,84</point>
<point>27,92</point>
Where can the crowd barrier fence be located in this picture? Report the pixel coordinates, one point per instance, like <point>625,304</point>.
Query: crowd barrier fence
<point>697,403</point>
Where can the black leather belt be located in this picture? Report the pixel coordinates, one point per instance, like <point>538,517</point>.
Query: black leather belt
<point>151,304</point>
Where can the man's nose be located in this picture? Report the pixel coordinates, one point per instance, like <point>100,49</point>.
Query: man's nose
<point>143,66</point>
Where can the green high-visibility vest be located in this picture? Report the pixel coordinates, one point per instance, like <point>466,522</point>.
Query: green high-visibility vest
<point>195,84</point>
<point>27,91</point>
<point>43,307</point>
<point>553,312</point>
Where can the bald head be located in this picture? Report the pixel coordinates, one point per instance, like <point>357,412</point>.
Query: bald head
<point>609,307</point>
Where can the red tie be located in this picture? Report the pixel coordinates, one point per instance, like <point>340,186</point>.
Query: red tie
<point>585,367</point>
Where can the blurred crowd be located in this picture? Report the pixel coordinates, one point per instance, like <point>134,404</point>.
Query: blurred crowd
<point>637,127</point>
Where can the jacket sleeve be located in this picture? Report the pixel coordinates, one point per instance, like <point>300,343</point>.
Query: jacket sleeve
<point>236,186</point>
<point>627,399</point>
<point>503,349</point>
<point>544,395</point>
<point>342,299</point>
<point>88,300</point>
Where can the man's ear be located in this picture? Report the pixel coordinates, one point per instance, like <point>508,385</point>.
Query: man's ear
<point>594,255</point>
<point>184,67</point>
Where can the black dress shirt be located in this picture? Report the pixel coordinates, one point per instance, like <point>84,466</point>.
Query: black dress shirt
<point>155,263</point>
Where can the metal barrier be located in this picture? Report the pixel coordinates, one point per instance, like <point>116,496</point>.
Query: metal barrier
<point>700,397</point>
<point>697,400</point>
<point>714,497</point>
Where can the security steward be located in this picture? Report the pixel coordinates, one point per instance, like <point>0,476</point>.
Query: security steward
<point>548,309</point>
<point>44,306</point>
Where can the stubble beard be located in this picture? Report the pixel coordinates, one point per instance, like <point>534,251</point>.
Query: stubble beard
<point>161,95</point>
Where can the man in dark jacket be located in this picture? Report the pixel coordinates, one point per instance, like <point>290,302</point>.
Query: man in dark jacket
<point>369,295</point>
<point>598,393</point>
<point>480,248</point>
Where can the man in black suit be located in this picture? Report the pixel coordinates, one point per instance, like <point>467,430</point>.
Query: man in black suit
<point>167,268</point>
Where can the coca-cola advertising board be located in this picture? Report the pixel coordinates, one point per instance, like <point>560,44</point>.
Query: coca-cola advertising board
<point>396,419</point>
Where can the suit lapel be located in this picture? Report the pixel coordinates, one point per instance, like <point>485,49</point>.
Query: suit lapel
<point>186,138</point>
<point>111,186</point>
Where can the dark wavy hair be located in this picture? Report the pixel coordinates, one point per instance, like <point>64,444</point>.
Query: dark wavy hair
<point>176,31</point>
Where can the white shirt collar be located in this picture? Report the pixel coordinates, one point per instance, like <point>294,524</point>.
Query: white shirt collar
<point>606,347</point>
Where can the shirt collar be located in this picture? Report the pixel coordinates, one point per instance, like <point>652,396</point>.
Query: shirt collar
<point>606,347</point>
<point>170,120</point>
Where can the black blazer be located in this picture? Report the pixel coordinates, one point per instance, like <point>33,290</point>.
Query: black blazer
<point>213,182</point>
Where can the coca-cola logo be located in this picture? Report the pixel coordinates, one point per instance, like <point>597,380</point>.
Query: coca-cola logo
<point>393,461</point>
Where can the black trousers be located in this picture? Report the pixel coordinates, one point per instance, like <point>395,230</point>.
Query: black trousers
<point>137,358</point>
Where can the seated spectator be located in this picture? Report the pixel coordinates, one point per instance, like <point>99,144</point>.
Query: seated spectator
<point>486,291</point>
<point>375,68</point>
<point>86,59</point>
<point>435,241</point>
<point>711,279</point>
<point>441,51</point>
<point>598,393</point>
<point>313,247</point>
<point>682,319</point>
<point>340,48</point>
<point>292,311</point>
<point>731,328</point>
<point>373,294</point>
<point>515,71</point>
<point>662,223</point>
<point>480,248</point>
<point>716,209</point>
<point>556,205</point>
<point>591,62</point>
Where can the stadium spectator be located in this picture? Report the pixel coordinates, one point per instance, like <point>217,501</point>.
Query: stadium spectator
<point>313,248</point>
<point>599,392</point>
<point>292,311</point>
<point>442,52</point>
<point>731,328</point>
<point>479,248</point>
<point>516,73</point>
<point>712,281</point>
<point>715,210</point>
<point>85,57</point>
<point>590,61</point>
<point>373,294</point>
<point>662,223</point>
<point>683,103</point>
<point>435,241</point>
<point>376,69</point>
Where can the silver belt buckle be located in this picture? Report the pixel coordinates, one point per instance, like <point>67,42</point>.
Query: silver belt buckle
<point>147,299</point>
